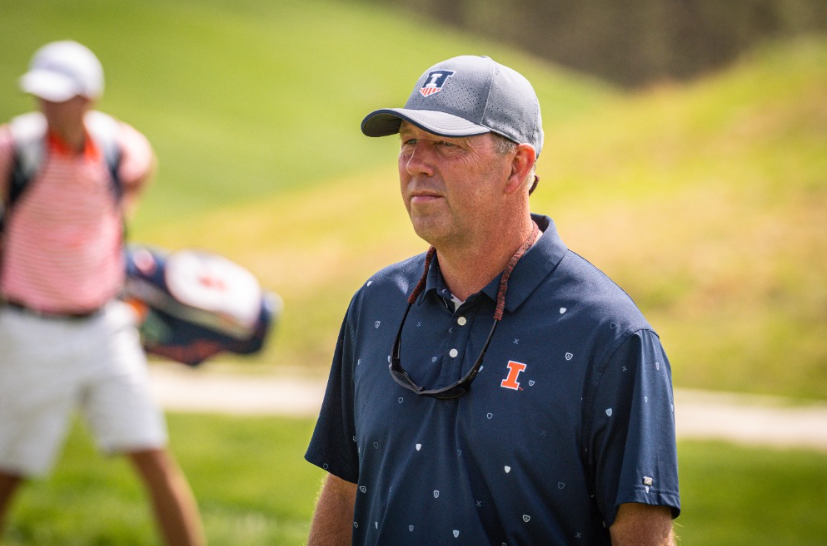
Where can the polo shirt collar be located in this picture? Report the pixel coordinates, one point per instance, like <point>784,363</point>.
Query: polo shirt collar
<point>58,145</point>
<point>535,265</point>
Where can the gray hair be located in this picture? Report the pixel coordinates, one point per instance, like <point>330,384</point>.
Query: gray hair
<point>503,145</point>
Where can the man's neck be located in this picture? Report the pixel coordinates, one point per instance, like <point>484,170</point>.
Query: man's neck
<point>468,270</point>
<point>72,137</point>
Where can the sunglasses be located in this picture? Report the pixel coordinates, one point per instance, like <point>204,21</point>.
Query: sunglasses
<point>458,388</point>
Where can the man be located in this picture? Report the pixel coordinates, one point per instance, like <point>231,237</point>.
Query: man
<point>498,389</point>
<point>66,342</point>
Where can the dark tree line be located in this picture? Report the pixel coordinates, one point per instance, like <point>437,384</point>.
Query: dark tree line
<point>631,42</point>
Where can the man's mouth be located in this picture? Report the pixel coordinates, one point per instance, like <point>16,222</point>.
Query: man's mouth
<point>424,196</point>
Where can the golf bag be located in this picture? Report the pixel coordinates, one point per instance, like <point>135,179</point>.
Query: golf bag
<point>196,304</point>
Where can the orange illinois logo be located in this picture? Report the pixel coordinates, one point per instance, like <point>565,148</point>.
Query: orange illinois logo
<point>514,370</point>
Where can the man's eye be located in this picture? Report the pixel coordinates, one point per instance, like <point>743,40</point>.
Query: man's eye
<point>409,142</point>
<point>446,143</point>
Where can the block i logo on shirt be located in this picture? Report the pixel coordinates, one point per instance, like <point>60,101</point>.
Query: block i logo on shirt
<point>514,371</point>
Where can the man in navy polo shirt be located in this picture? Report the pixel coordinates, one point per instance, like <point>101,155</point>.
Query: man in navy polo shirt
<point>498,389</point>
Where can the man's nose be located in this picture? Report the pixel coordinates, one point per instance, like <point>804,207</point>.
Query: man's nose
<point>418,160</point>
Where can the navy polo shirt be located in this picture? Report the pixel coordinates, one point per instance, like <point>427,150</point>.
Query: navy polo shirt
<point>570,416</point>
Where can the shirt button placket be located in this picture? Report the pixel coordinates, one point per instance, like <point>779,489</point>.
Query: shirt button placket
<point>462,321</point>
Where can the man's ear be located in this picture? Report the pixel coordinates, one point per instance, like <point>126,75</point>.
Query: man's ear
<point>521,164</point>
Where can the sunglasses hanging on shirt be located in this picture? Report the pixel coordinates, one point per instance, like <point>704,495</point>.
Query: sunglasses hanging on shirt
<point>458,388</point>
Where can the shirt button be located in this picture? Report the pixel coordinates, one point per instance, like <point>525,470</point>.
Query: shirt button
<point>462,321</point>
<point>453,353</point>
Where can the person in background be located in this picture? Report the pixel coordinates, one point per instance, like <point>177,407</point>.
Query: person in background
<point>69,178</point>
<point>497,389</point>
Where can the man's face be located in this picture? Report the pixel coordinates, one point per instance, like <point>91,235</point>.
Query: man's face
<point>65,115</point>
<point>452,187</point>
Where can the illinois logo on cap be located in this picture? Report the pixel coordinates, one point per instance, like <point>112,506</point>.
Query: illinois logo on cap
<point>435,81</point>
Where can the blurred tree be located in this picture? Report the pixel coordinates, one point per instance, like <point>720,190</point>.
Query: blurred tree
<point>631,42</point>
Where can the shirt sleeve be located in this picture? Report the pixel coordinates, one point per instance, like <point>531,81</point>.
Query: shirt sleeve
<point>138,160</point>
<point>632,452</point>
<point>333,445</point>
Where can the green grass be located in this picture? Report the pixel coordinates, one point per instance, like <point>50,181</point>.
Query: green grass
<point>704,201</point>
<point>254,487</point>
<point>248,474</point>
<point>245,99</point>
<point>734,496</point>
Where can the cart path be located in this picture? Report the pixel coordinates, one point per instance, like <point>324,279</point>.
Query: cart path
<point>703,415</point>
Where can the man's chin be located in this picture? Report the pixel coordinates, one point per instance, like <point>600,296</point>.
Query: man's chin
<point>436,236</point>
<point>428,231</point>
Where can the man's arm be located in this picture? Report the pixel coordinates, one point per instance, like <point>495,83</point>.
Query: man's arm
<point>642,525</point>
<point>137,167</point>
<point>333,520</point>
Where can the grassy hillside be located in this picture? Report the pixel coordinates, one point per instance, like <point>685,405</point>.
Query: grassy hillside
<point>254,108</point>
<point>709,205</point>
<point>247,98</point>
<point>706,202</point>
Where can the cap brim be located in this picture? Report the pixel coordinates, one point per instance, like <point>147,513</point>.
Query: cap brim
<point>386,122</point>
<point>48,85</point>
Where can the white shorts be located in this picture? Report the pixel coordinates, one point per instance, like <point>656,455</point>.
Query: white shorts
<point>51,366</point>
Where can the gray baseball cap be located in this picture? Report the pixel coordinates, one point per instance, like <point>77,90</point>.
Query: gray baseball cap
<point>466,96</point>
